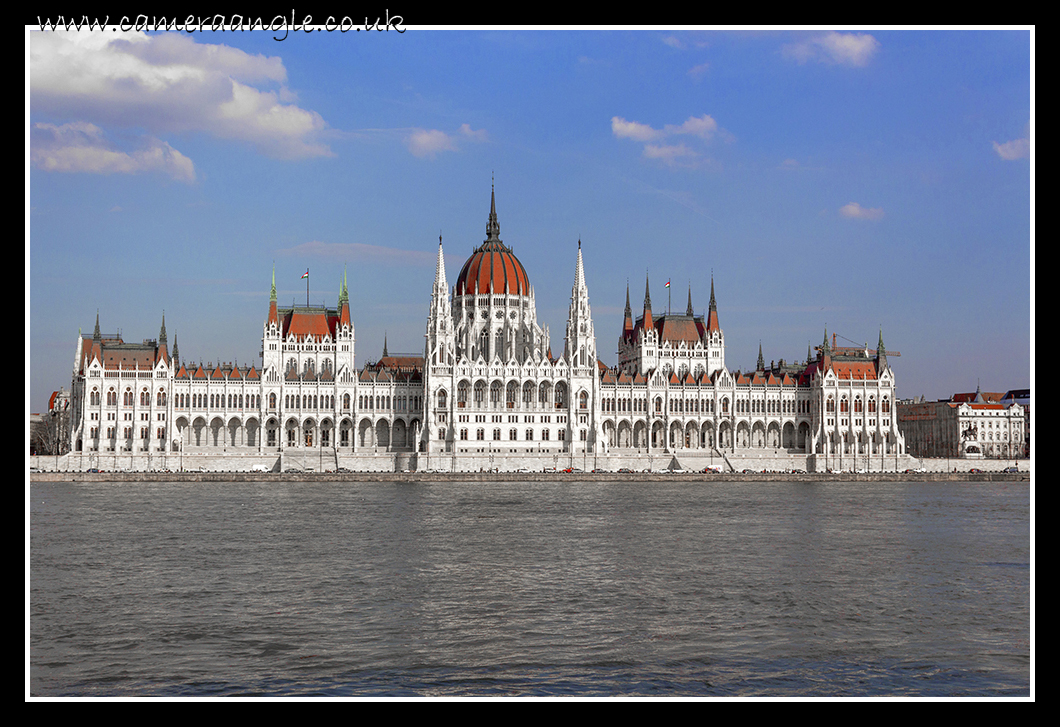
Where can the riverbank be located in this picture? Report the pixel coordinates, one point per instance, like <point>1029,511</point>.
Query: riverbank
<point>557,477</point>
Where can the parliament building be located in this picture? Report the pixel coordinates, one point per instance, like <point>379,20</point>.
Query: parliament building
<point>488,392</point>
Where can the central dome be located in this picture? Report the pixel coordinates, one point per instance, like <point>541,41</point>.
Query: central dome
<point>492,263</point>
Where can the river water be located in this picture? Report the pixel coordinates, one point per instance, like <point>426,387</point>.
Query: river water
<point>578,589</point>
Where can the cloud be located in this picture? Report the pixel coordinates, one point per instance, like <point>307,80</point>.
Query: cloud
<point>702,127</point>
<point>427,143</point>
<point>847,49</point>
<point>855,211</point>
<point>697,72</point>
<point>360,252</point>
<point>467,131</point>
<point>80,147</point>
<point>632,130</point>
<point>169,83</point>
<point>677,155</point>
<point>1015,149</point>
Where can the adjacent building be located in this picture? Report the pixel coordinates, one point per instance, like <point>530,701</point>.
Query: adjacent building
<point>968,426</point>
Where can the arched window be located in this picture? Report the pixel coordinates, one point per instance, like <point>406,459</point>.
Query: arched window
<point>443,399</point>
<point>583,400</point>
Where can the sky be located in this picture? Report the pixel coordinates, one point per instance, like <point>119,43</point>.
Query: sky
<point>860,181</point>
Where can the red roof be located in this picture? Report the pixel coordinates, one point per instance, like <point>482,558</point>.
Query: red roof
<point>493,263</point>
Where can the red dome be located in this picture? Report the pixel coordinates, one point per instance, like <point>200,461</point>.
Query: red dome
<point>493,262</point>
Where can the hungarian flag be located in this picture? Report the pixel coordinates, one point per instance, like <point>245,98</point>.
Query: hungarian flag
<point>665,286</point>
<point>307,275</point>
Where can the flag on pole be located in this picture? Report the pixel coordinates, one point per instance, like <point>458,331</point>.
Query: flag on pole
<point>665,286</point>
<point>307,275</point>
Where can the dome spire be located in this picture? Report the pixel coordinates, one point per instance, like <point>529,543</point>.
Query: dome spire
<point>493,228</point>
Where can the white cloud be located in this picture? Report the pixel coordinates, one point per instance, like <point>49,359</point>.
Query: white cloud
<point>703,127</point>
<point>1015,149</point>
<point>632,130</point>
<point>169,83</point>
<point>479,135</point>
<point>428,142</point>
<point>80,147</point>
<point>855,211</point>
<point>672,155</point>
<point>848,49</point>
<point>699,71</point>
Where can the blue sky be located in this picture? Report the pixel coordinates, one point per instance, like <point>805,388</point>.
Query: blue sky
<point>849,179</point>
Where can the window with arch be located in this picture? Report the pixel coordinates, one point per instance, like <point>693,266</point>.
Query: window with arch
<point>857,405</point>
<point>872,405</point>
<point>443,399</point>
<point>830,405</point>
<point>583,400</point>
<point>112,398</point>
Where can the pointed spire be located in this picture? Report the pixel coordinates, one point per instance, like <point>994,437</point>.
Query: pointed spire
<point>274,316</point>
<point>627,318</point>
<point>648,323</point>
<point>881,353</point>
<point>493,228</point>
<point>688,310</point>
<point>761,361</point>
<point>712,313</point>
<point>162,333</point>
<point>439,270</point>
<point>579,270</point>
<point>385,354</point>
<point>96,335</point>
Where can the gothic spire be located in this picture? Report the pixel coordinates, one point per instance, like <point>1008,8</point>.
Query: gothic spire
<point>712,313</point>
<point>688,311</point>
<point>493,228</point>
<point>761,361</point>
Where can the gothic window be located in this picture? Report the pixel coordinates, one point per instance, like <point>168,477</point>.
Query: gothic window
<point>463,434</point>
<point>442,399</point>
<point>495,394</point>
<point>512,434</point>
<point>496,434</point>
<point>529,435</point>
<point>583,400</point>
<point>480,434</point>
<point>463,389</point>
<point>872,405</point>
